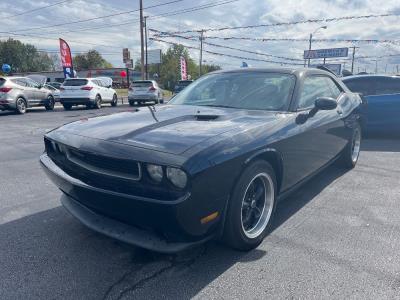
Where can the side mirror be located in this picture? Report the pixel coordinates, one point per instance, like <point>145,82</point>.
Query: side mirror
<point>325,103</point>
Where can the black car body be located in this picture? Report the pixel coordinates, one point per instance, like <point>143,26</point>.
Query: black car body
<point>100,164</point>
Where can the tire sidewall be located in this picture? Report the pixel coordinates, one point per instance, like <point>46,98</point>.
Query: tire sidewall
<point>234,234</point>
<point>114,100</point>
<point>21,112</point>
<point>50,103</point>
<point>348,152</point>
<point>97,102</point>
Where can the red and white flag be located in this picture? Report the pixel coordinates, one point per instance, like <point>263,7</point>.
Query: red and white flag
<point>183,68</point>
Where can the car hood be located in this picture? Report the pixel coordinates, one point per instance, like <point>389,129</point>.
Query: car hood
<point>172,128</point>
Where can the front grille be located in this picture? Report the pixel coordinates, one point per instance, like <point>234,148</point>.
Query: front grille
<point>81,163</point>
<point>113,174</point>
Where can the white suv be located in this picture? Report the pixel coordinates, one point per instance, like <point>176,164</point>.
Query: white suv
<point>92,92</point>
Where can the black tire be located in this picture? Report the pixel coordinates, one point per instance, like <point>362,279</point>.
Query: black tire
<point>50,103</point>
<point>67,106</point>
<point>351,152</point>
<point>241,211</point>
<point>21,106</point>
<point>88,106</point>
<point>114,101</point>
<point>97,102</point>
<point>131,103</point>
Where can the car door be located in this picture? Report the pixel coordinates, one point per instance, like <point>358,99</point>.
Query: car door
<point>29,91</point>
<point>316,139</point>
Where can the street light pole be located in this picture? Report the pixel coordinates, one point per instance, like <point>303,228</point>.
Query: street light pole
<point>352,60</point>
<point>310,45</point>
<point>141,39</point>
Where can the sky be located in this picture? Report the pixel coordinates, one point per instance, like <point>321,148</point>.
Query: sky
<point>109,35</point>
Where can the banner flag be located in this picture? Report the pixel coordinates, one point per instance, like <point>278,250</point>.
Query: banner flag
<point>183,69</point>
<point>66,59</point>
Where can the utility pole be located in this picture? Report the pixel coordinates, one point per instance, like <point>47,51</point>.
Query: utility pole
<point>201,51</point>
<point>352,60</point>
<point>145,34</point>
<point>141,40</point>
<point>309,50</point>
<point>397,67</point>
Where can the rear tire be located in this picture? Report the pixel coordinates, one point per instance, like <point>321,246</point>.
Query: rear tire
<point>251,207</point>
<point>67,106</point>
<point>21,106</point>
<point>50,103</point>
<point>114,102</point>
<point>350,154</point>
<point>97,102</point>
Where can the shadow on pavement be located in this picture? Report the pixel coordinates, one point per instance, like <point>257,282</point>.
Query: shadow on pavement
<point>51,255</point>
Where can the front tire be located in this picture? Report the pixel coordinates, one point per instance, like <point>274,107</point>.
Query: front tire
<point>21,106</point>
<point>50,103</point>
<point>350,154</point>
<point>251,208</point>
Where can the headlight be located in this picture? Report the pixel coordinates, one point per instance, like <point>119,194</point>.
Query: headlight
<point>177,177</point>
<point>155,172</point>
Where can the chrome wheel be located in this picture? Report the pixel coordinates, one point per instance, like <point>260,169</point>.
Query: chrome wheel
<point>356,145</point>
<point>257,205</point>
<point>21,106</point>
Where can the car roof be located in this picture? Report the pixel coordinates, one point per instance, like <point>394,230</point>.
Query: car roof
<point>369,76</point>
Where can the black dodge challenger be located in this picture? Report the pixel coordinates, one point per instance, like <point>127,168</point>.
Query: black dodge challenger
<point>213,163</point>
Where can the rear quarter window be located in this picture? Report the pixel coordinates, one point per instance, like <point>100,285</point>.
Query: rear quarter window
<point>2,81</point>
<point>75,82</point>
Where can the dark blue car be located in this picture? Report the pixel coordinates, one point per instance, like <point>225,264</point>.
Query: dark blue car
<point>382,93</point>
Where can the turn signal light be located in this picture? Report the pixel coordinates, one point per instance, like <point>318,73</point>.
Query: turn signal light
<point>209,218</point>
<point>152,89</point>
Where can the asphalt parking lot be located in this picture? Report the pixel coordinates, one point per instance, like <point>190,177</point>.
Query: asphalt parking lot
<point>337,237</point>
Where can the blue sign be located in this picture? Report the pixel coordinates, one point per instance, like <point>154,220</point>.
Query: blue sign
<point>326,53</point>
<point>6,68</point>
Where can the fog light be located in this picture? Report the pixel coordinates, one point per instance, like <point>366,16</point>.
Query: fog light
<point>156,172</point>
<point>177,177</point>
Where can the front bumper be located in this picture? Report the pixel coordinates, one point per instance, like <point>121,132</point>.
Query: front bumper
<point>163,226</point>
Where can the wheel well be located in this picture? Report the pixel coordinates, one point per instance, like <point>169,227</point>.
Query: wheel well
<point>275,159</point>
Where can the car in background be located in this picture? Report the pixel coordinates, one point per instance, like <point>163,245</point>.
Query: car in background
<point>56,85</point>
<point>213,163</point>
<point>54,91</point>
<point>181,85</point>
<point>92,92</point>
<point>20,93</point>
<point>382,94</point>
<point>142,91</point>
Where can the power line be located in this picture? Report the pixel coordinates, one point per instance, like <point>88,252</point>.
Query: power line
<point>96,18</point>
<point>326,20</point>
<point>36,9</point>
<point>368,41</point>
<point>228,47</point>
<point>226,55</point>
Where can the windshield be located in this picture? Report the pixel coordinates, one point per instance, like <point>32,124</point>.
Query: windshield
<point>75,82</point>
<point>243,90</point>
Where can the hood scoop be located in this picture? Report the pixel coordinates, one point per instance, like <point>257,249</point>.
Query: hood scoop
<point>206,117</point>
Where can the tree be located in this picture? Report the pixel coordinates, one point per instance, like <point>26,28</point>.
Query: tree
<point>24,57</point>
<point>90,60</point>
<point>170,67</point>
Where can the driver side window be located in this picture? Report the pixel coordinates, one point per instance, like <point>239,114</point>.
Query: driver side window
<point>315,87</point>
